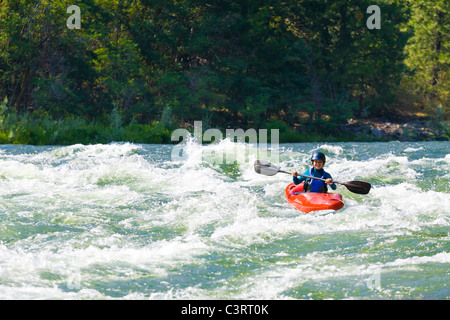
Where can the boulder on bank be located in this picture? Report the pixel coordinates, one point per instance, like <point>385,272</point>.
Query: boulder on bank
<point>382,129</point>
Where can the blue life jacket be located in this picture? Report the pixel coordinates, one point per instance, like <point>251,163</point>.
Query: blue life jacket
<point>315,185</point>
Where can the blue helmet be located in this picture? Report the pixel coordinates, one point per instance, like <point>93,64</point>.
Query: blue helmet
<point>318,156</point>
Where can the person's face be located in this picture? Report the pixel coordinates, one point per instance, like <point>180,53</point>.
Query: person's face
<point>317,164</point>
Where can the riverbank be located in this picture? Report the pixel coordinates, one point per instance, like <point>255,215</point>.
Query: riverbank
<point>28,129</point>
<point>411,128</point>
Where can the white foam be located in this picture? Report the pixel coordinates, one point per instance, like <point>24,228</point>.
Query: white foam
<point>336,150</point>
<point>441,257</point>
<point>115,212</point>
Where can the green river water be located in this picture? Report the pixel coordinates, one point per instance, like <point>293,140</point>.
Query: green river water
<point>126,221</point>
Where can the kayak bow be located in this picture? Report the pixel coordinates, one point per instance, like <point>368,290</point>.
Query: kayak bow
<point>309,201</point>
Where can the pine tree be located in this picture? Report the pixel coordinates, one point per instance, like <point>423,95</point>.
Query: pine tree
<point>429,52</point>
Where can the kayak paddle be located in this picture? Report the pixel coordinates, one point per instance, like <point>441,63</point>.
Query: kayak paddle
<point>268,169</point>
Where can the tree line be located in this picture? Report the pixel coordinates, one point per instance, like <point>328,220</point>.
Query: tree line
<point>137,69</point>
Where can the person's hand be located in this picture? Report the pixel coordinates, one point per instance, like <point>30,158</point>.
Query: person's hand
<point>294,173</point>
<point>329,181</point>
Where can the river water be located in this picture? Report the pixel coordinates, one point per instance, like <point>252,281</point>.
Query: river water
<point>127,221</point>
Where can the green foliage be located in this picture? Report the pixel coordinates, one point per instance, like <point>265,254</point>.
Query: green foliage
<point>41,129</point>
<point>429,53</point>
<point>138,69</point>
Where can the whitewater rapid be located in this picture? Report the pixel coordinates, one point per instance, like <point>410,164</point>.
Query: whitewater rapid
<point>126,221</point>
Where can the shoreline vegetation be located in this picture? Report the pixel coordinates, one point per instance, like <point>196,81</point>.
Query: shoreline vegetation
<point>137,70</point>
<point>38,129</point>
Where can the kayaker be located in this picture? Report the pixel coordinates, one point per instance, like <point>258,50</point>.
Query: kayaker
<point>313,185</point>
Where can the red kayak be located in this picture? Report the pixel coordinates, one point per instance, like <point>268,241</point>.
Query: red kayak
<point>309,201</point>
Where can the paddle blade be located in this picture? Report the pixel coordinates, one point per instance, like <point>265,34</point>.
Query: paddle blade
<point>359,187</point>
<point>265,167</point>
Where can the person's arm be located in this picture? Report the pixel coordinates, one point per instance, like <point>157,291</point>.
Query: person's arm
<point>296,179</point>
<point>329,181</point>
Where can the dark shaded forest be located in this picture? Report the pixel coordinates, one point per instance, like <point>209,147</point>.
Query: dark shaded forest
<point>138,69</point>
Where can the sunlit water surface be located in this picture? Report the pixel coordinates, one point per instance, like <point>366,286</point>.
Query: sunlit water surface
<point>126,221</point>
